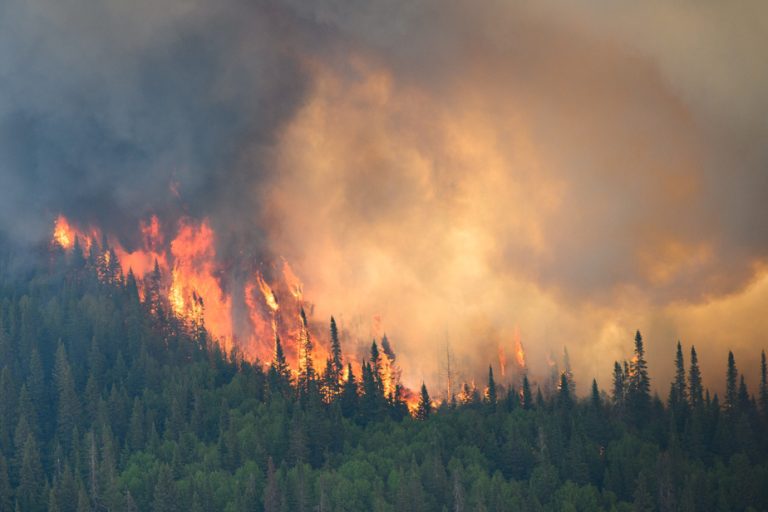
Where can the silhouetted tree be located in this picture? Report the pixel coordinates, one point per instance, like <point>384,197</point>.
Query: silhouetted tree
<point>639,384</point>
<point>424,407</point>
<point>527,398</point>
<point>763,384</point>
<point>694,381</point>
<point>349,394</point>
<point>731,392</point>
<point>490,392</point>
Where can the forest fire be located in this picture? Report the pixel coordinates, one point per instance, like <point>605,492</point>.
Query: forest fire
<point>192,284</point>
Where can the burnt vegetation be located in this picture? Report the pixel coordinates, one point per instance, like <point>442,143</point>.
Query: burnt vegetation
<point>107,402</point>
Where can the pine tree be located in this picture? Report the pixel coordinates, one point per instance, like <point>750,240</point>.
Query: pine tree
<point>336,357</point>
<point>165,491</point>
<point>279,374</point>
<point>372,401</point>
<point>332,377</point>
<point>490,392</point>
<point>29,493</point>
<point>306,375</point>
<point>568,371</point>
<point>694,381</point>
<point>564,399</point>
<point>731,376</point>
<point>527,401</point>
<point>678,393</point>
<point>763,384</point>
<point>639,384</point>
<point>375,364</point>
<point>349,395</point>
<point>6,492</point>
<point>594,398</point>
<point>271,491</point>
<point>8,398</point>
<point>424,407</point>
<point>68,411</point>
<point>619,387</point>
<point>743,401</point>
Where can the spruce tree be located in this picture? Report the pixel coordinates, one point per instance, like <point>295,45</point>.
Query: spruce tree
<point>68,410</point>
<point>279,373</point>
<point>619,387</point>
<point>29,493</point>
<point>165,496</point>
<point>639,382</point>
<point>306,381</point>
<point>678,393</point>
<point>271,490</point>
<point>594,398</point>
<point>763,384</point>
<point>6,492</point>
<point>349,394</point>
<point>336,356</point>
<point>564,399</point>
<point>568,371</point>
<point>375,364</point>
<point>490,392</point>
<point>527,401</point>
<point>731,376</point>
<point>424,408</point>
<point>696,391</point>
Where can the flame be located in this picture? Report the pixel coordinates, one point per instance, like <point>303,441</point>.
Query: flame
<point>502,361</point>
<point>193,290</point>
<point>519,350</point>
<point>63,234</point>
<point>194,272</point>
<point>266,291</point>
<point>294,284</point>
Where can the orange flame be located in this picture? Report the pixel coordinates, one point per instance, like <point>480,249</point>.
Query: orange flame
<point>194,271</point>
<point>63,234</point>
<point>294,284</point>
<point>192,287</point>
<point>519,350</point>
<point>502,361</point>
<point>266,291</point>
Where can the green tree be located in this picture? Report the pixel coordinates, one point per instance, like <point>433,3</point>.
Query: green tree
<point>763,384</point>
<point>678,393</point>
<point>694,381</point>
<point>165,495</point>
<point>490,391</point>
<point>68,404</point>
<point>731,376</point>
<point>349,394</point>
<point>307,380</point>
<point>619,387</point>
<point>272,502</point>
<point>424,407</point>
<point>30,491</point>
<point>527,401</point>
<point>639,383</point>
<point>6,492</point>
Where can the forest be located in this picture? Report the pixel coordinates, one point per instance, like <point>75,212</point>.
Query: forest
<point>108,402</point>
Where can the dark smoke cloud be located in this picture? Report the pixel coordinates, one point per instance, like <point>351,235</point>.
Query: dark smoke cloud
<point>578,170</point>
<point>105,106</point>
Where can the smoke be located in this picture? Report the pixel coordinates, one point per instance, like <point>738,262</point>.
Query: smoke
<point>456,170</point>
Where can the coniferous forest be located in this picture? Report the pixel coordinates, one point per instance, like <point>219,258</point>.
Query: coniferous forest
<point>107,402</point>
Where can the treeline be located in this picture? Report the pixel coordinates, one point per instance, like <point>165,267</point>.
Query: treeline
<point>109,402</point>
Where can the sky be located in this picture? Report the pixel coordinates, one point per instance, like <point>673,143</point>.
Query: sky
<point>447,172</point>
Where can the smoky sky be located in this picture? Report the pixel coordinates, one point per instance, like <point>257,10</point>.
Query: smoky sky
<point>457,169</point>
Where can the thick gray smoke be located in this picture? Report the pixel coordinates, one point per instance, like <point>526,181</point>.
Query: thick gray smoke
<point>457,168</point>
<point>111,111</point>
